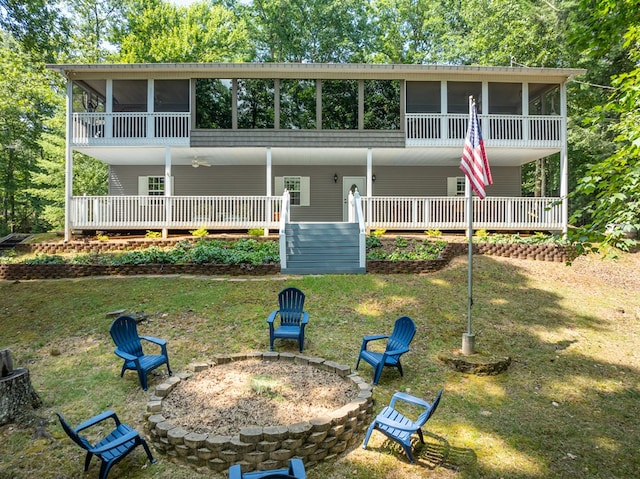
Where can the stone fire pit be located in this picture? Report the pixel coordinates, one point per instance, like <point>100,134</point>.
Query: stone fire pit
<point>268,447</point>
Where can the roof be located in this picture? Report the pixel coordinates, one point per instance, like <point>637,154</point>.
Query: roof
<point>309,70</point>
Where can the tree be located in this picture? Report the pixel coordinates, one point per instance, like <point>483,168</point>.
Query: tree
<point>304,31</point>
<point>26,98</point>
<point>610,187</point>
<point>157,31</point>
<point>37,25</point>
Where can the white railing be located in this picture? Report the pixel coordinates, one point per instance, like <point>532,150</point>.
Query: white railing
<point>448,213</point>
<point>175,212</point>
<point>284,213</point>
<point>356,215</point>
<point>272,212</point>
<point>426,129</point>
<point>97,129</point>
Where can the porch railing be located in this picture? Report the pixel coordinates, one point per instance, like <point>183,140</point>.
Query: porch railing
<point>175,212</point>
<point>448,213</point>
<point>434,129</point>
<point>245,212</point>
<point>131,128</point>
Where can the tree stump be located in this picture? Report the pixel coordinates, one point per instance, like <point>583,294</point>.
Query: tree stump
<point>17,395</point>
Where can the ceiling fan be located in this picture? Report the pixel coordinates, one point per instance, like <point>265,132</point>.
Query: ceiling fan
<point>196,163</point>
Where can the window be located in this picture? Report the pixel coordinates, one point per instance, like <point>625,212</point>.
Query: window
<point>151,185</point>
<point>455,186</point>
<point>381,105</point>
<point>213,103</point>
<point>155,186</point>
<point>171,96</point>
<point>297,186</point>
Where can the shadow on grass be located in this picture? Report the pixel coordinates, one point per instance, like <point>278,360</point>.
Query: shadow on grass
<point>435,453</point>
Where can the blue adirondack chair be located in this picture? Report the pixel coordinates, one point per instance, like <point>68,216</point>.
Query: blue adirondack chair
<point>398,427</point>
<point>404,330</point>
<point>293,318</point>
<point>124,332</point>
<point>113,447</point>
<point>294,471</point>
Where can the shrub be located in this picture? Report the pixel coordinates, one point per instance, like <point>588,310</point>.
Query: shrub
<point>255,232</point>
<point>200,232</point>
<point>153,234</point>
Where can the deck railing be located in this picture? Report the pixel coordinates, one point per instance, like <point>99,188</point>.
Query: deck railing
<point>422,129</point>
<point>246,212</point>
<point>96,129</point>
<point>434,129</point>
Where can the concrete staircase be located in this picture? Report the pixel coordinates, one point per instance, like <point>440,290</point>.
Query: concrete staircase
<point>323,248</point>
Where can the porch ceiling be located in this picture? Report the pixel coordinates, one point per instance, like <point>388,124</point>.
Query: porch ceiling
<point>309,156</point>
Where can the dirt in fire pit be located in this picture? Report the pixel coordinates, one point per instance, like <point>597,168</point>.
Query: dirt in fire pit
<point>225,398</point>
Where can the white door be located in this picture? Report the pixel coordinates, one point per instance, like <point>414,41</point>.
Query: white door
<point>349,184</point>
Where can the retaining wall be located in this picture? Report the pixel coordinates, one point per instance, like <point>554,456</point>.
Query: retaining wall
<point>263,448</point>
<point>16,272</point>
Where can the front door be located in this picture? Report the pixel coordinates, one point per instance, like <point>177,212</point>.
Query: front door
<point>349,184</point>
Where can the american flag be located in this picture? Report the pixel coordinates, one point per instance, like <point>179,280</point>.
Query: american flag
<point>474,162</point>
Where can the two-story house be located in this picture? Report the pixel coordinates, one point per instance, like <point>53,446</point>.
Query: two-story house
<point>216,145</point>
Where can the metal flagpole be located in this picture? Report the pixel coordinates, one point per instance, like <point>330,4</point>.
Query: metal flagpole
<point>468,339</point>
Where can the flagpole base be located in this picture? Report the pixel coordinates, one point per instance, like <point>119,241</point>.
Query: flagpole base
<point>468,344</point>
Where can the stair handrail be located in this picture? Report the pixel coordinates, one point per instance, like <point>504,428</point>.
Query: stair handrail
<point>284,219</point>
<point>356,215</point>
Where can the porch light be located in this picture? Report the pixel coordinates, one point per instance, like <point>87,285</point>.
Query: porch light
<point>373,178</point>
<point>335,177</point>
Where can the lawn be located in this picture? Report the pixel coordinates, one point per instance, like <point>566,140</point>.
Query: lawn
<point>565,408</point>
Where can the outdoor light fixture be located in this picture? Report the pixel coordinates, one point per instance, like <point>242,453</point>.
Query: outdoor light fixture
<point>335,177</point>
<point>373,178</point>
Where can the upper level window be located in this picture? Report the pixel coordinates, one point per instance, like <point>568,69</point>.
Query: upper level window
<point>544,99</point>
<point>171,95</point>
<point>505,98</point>
<point>423,97</point>
<point>381,105</point>
<point>213,103</point>
<point>129,96</point>
<point>298,104</point>
<point>256,103</point>
<point>339,104</point>
<point>89,96</point>
<point>458,94</point>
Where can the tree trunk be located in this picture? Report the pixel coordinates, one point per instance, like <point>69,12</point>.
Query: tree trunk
<point>17,395</point>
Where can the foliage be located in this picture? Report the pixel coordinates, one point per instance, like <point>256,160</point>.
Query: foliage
<point>102,237</point>
<point>405,249</point>
<point>200,232</point>
<point>158,31</point>
<point>433,233</point>
<point>373,241</point>
<point>245,251</point>
<point>26,99</point>
<point>153,234</point>
<point>501,238</point>
<point>610,187</point>
<point>255,232</point>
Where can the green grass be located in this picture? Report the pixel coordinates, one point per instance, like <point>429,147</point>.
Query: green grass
<point>565,408</point>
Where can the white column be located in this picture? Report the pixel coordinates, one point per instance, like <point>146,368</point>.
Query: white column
<point>369,172</point>
<point>108,127</point>
<point>168,188</point>
<point>525,111</point>
<point>269,192</point>
<point>68,173</point>
<point>564,159</point>
<point>150,108</point>
<point>444,107</point>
